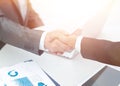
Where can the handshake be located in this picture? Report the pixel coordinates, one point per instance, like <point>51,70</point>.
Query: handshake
<point>57,42</point>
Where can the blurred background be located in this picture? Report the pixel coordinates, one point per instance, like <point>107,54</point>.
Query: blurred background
<point>93,16</point>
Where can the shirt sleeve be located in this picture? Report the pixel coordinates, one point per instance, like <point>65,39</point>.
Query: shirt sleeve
<point>78,44</point>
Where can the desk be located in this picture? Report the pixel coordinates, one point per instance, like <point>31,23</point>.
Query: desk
<point>68,72</point>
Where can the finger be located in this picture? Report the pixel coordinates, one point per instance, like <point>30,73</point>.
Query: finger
<point>68,40</point>
<point>64,32</point>
<point>63,38</point>
<point>77,32</point>
<point>56,53</point>
<point>59,53</point>
<point>51,36</point>
<point>58,46</point>
<point>56,34</point>
<point>53,48</point>
<point>63,47</point>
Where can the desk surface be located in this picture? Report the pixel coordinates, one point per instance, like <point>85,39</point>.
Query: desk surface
<point>68,72</point>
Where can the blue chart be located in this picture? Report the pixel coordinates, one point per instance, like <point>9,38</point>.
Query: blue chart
<point>24,81</point>
<point>13,73</point>
<point>41,84</point>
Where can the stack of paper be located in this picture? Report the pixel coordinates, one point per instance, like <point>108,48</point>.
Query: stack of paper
<point>27,73</point>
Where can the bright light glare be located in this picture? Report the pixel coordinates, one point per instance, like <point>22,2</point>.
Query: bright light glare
<point>68,13</point>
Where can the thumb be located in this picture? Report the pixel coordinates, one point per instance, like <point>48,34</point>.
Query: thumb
<point>68,40</point>
<point>77,32</point>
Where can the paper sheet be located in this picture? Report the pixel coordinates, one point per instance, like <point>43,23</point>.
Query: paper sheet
<point>24,74</point>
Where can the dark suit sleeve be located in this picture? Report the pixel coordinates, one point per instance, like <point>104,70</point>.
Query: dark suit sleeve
<point>101,50</point>
<point>19,36</point>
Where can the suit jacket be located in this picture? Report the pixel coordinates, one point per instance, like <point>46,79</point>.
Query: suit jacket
<point>16,31</point>
<point>101,50</point>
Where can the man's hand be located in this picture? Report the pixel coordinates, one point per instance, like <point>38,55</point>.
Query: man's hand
<point>59,41</point>
<point>70,40</point>
<point>54,44</point>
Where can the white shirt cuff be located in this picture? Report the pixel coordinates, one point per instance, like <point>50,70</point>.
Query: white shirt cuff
<point>42,39</point>
<point>41,28</point>
<point>78,44</point>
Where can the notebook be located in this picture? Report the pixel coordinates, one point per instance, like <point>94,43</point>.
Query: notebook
<point>107,76</point>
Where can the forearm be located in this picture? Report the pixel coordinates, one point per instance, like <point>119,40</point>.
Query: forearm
<point>114,53</point>
<point>19,36</point>
<point>100,50</point>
